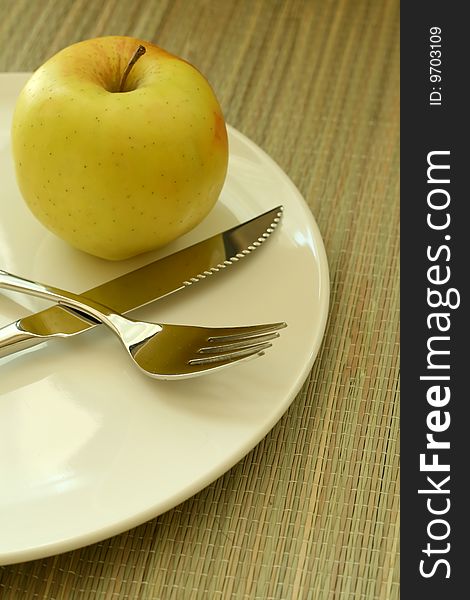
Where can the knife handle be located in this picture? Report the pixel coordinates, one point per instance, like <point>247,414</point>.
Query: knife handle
<point>13,339</point>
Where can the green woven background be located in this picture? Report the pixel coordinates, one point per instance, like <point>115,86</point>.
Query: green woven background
<point>313,511</point>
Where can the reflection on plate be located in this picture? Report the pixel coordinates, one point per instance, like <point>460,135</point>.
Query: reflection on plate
<point>88,446</point>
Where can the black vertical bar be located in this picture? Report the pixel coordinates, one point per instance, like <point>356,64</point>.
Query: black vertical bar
<point>435,236</point>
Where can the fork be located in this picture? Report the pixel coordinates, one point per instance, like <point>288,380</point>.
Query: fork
<point>160,350</point>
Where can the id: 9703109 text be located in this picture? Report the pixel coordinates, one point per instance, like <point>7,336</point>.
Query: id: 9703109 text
<point>435,64</point>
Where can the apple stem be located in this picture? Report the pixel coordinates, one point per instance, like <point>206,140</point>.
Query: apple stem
<point>137,54</point>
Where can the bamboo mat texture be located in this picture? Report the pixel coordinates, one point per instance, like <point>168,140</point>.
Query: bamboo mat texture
<point>313,511</point>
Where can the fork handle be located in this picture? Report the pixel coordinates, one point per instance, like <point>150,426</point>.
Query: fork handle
<point>98,311</point>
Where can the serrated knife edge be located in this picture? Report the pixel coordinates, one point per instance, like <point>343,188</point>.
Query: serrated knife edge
<point>249,249</point>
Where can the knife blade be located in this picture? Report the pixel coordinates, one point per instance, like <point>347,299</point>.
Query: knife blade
<point>145,284</point>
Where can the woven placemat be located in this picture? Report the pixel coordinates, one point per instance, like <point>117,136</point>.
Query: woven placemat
<point>313,511</point>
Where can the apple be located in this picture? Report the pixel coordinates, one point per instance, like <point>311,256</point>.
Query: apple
<point>119,146</point>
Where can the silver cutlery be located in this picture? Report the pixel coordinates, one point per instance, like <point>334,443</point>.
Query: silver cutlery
<point>159,350</point>
<point>146,284</point>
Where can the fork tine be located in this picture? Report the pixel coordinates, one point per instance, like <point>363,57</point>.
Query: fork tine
<point>230,357</point>
<point>239,333</point>
<point>246,342</point>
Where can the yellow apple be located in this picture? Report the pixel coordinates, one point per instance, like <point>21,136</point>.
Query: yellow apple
<point>119,151</point>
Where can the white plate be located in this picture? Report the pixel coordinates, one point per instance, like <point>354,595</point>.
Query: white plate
<point>89,447</point>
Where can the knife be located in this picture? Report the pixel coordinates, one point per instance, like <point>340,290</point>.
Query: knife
<point>146,284</point>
